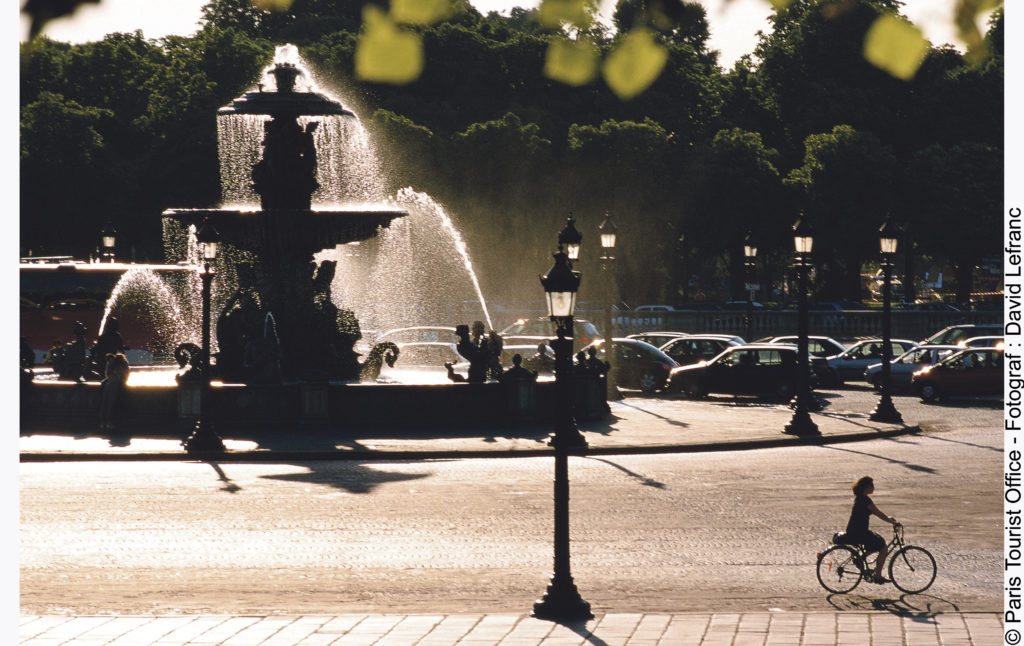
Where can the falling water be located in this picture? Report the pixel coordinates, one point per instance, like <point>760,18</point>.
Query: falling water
<point>165,309</point>
<point>417,272</point>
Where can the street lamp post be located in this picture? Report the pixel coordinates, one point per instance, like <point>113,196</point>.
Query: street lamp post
<point>802,424</point>
<point>204,438</point>
<point>570,239</point>
<point>607,230</point>
<point>562,600</point>
<point>888,238</point>
<point>750,265</point>
<point>108,238</point>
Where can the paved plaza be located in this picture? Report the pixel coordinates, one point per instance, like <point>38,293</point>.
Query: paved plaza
<point>637,426</point>
<point>691,629</point>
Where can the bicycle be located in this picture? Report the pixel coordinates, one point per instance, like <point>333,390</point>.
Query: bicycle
<point>841,567</point>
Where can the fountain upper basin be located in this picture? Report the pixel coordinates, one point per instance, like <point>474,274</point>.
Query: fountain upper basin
<point>321,229</point>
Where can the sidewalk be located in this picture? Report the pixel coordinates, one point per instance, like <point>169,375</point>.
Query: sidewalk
<point>636,425</point>
<point>685,629</point>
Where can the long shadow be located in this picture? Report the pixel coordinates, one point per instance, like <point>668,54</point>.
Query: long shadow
<point>579,627</point>
<point>347,476</point>
<point>903,463</point>
<point>674,422</point>
<point>997,449</point>
<point>229,484</point>
<point>916,607</point>
<point>644,480</point>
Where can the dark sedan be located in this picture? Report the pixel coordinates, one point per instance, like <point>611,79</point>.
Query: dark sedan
<point>696,347</point>
<point>637,364</point>
<point>753,369</point>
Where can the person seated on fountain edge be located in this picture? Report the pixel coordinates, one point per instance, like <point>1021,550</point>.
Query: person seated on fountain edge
<point>72,362</point>
<point>517,372</point>
<point>109,342</point>
<point>542,362</point>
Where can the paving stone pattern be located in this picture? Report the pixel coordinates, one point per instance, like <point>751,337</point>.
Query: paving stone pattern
<point>690,629</point>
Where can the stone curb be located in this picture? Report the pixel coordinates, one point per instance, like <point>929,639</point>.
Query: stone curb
<point>385,455</point>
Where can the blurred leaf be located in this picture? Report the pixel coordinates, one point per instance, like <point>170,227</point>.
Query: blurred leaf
<point>896,46</point>
<point>385,53</point>
<point>573,62</point>
<point>43,11</point>
<point>966,15</point>
<point>779,5</point>
<point>421,12</point>
<point>555,13</point>
<point>634,64</point>
<point>272,5</point>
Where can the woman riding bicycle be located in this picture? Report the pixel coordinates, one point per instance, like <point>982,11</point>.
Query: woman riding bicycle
<point>857,528</point>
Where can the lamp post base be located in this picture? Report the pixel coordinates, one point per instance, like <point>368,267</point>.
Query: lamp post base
<point>562,602</point>
<point>801,425</point>
<point>570,440</point>
<point>886,412</point>
<point>203,439</point>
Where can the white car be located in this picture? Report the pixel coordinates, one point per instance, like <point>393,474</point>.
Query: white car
<point>902,368</point>
<point>852,362</point>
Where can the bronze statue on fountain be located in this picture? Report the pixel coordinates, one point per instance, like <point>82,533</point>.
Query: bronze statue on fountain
<point>306,334</point>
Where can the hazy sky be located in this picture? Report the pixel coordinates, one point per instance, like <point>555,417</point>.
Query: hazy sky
<point>734,23</point>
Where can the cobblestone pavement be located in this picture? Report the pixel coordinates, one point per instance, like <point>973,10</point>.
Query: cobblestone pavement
<point>921,473</point>
<point>691,629</point>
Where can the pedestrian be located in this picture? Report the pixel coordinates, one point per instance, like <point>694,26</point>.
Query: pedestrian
<point>114,382</point>
<point>857,531</point>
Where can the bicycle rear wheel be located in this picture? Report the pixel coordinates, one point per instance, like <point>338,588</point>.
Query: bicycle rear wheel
<point>912,569</point>
<point>837,571</point>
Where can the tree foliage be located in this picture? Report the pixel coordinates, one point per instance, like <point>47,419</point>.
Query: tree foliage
<point>125,128</point>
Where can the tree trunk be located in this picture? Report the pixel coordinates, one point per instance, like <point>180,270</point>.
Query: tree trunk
<point>964,273</point>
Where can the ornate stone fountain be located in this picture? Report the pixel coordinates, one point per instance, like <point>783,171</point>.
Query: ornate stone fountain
<point>316,338</point>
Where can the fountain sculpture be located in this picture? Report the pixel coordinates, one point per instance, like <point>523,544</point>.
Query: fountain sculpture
<point>283,326</point>
<point>275,245</point>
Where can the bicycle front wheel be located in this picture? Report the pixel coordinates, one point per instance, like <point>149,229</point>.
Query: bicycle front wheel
<point>912,569</point>
<point>837,571</point>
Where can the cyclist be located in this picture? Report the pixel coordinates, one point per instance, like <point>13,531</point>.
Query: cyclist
<point>857,531</point>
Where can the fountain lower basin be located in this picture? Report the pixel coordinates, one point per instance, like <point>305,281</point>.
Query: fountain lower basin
<point>161,408</point>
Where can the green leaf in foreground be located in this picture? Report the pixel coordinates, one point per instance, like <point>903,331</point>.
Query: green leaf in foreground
<point>420,12</point>
<point>385,53</point>
<point>896,46</point>
<point>634,64</point>
<point>272,5</point>
<point>573,62</point>
<point>555,13</point>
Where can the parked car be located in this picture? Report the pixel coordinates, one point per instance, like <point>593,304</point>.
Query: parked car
<point>852,362</point>
<point>955,333</point>
<point>692,348</point>
<point>904,366</point>
<point>416,334</point>
<point>657,339</point>
<point>636,364</point>
<point>982,342</point>
<point>752,369</point>
<point>423,363</point>
<point>654,308</point>
<point>741,306</point>
<point>818,346</point>
<point>544,365</point>
<point>535,330</point>
<point>974,371</point>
